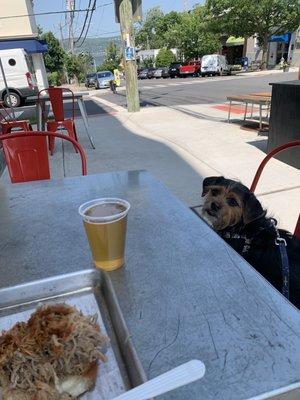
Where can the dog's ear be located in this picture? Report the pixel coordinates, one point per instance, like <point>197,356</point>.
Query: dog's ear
<point>211,181</point>
<point>252,209</point>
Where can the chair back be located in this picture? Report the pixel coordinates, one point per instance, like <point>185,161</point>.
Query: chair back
<point>279,149</point>
<point>57,101</point>
<point>26,155</point>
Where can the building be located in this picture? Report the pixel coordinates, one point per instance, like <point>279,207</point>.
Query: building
<point>286,45</point>
<point>18,31</point>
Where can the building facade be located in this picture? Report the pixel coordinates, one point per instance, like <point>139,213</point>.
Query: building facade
<point>18,29</point>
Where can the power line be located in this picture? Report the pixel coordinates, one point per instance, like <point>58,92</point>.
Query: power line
<point>84,23</point>
<point>53,12</point>
<point>89,23</point>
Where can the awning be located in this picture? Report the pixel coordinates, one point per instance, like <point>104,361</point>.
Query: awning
<point>285,38</point>
<point>31,46</point>
<point>233,41</point>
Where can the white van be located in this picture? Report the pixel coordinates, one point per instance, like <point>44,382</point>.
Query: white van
<point>20,77</point>
<point>214,64</point>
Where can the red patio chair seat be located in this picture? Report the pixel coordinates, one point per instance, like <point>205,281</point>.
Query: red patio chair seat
<point>26,154</point>
<point>279,149</point>
<point>8,124</point>
<point>56,100</point>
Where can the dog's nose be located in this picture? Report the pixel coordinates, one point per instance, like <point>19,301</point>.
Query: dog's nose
<point>215,207</point>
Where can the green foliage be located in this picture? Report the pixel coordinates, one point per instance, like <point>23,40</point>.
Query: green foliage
<point>54,59</point>
<point>112,58</point>
<point>54,79</point>
<point>78,65</point>
<point>147,63</point>
<point>164,58</point>
<point>186,31</point>
<point>245,18</point>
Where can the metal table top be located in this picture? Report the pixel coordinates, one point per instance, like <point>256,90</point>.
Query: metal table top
<point>66,95</point>
<point>184,293</point>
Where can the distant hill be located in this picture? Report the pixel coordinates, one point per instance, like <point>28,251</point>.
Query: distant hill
<point>95,46</point>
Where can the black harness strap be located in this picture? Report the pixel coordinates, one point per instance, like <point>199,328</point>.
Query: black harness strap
<point>281,243</point>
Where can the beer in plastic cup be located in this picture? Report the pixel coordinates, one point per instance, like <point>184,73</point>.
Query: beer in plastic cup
<point>105,223</point>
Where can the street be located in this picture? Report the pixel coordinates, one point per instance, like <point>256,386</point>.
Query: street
<point>188,91</point>
<point>177,92</point>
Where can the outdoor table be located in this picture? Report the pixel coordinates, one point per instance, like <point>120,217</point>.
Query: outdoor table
<point>250,99</point>
<point>77,96</point>
<point>183,294</point>
<point>262,94</point>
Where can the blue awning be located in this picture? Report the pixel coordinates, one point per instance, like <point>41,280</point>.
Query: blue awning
<point>285,38</point>
<point>31,46</point>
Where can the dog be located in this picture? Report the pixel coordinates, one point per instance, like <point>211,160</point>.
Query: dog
<point>239,218</point>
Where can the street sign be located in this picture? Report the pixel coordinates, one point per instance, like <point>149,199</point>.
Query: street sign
<point>136,10</point>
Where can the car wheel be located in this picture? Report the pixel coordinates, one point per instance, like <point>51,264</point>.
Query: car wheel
<point>15,99</point>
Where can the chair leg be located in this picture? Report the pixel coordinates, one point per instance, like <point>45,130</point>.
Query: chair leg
<point>73,135</point>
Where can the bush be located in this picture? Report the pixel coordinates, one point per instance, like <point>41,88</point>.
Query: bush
<point>54,79</point>
<point>164,58</point>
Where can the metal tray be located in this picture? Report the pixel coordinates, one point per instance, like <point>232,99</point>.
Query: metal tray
<point>82,289</point>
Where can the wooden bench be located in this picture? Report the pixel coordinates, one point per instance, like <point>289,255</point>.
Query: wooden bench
<point>250,99</point>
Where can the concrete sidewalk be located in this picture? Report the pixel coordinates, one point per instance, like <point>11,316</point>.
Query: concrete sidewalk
<point>181,149</point>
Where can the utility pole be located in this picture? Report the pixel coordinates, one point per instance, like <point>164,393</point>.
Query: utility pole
<point>127,34</point>
<point>71,7</point>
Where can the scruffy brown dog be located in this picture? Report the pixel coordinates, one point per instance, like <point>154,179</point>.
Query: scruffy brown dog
<point>238,217</point>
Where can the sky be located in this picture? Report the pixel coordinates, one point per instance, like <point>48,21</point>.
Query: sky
<point>103,21</point>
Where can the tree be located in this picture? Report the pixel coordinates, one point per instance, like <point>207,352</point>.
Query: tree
<point>54,59</point>
<point>186,31</point>
<point>78,65</point>
<point>146,35</point>
<point>164,58</point>
<point>247,18</point>
<point>112,58</point>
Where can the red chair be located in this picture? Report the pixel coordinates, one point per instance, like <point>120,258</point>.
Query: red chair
<point>26,155</point>
<point>277,150</point>
<point>56,100</point>
<point>8,125</point>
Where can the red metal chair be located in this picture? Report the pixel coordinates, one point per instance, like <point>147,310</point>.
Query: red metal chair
<point>56,99</point>
<point>277,150</point>
<point>26,155</point>
<point>8,125</point>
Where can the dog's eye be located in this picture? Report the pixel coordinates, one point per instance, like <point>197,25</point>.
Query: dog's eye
<point>232,202</point>
<point>215,192</point>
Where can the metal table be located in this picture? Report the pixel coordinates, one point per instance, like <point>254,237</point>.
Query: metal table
<point>77,96</point>
<point>183,294</point>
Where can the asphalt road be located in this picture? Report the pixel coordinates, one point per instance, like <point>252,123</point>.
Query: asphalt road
<point>176,92</point>
<point>209,90</point>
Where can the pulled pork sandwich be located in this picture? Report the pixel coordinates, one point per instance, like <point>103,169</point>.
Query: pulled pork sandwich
<point>54,356</point>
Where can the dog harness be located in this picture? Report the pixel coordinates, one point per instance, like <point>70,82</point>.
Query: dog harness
<point>280,243</point>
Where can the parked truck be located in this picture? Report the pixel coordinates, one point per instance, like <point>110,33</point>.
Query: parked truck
<point>20,77</point>
<point>191,68</point>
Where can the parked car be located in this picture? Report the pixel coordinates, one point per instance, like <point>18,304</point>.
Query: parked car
<point>143,74</point>
<point>90,80</point>
<point>161,73</point>
<point>215,64</point>
<point>103,79</point>
<point>20,77</point>
<point>191,68</point>
<point>174,69</point>
<point>150,73</point>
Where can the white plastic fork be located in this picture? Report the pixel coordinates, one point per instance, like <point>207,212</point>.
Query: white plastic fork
<point>173,379</point>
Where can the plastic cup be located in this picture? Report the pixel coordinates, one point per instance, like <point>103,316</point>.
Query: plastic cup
<point>105,222</point>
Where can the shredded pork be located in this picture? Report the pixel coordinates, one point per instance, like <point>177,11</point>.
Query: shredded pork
<point>58,341</point>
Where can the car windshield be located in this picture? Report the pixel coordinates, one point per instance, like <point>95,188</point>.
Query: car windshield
<point>104,75</point>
